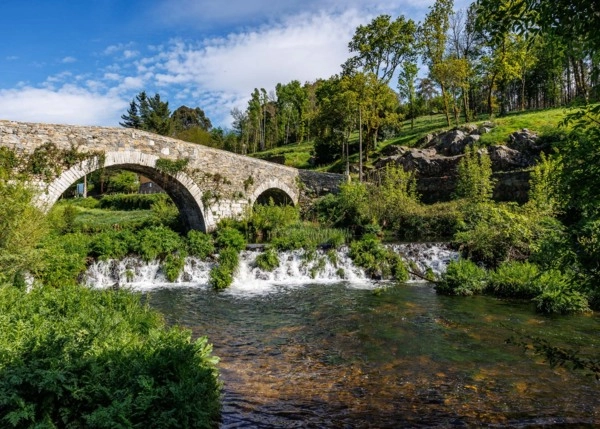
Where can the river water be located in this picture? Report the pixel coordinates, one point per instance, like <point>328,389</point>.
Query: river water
<point>348,353</point>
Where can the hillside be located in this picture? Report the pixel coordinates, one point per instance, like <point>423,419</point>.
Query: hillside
<point>542,122</point>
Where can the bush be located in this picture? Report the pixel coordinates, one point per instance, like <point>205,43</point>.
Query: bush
<point>495,233</point>
<point>267,260</point>
<point>173,265</point>
<point>308,237</point>
<point>157,242</point>
<point>514,280</point>
<point>130,201</point>
<point>558,295</point>
<point>266,218</point>
<point>112,244</point>
<point>77,357</point>
<point>377,260</point>
<point>221,275</point>
<point>230,238</point>
<point>64,259</point>
<point>200,244</point>
<point>462,277</point>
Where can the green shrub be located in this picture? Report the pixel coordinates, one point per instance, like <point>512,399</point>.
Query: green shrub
<point>308,237</point>
<point>157,242</point>
<point>229,237</point>
<point>377,260</point>
<point>112,244</point>
<point>267,260</point>
<point>495,233</point>
<point>130,201</point>
<point>200,244</point>
<point>221,275</point>
<point>77,357</point>
<point>123,182</point>
<point>266,218</point>
<point>86,203</point>
<point>64,259</point>
<point>514,280</point>
<point>462,277</point>
<point>559,295</point>
<point>165,213</point>
<point>173,265</point>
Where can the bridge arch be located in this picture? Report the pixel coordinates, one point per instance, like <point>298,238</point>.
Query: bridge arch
<point>273,188</point>
<point>182,189</point>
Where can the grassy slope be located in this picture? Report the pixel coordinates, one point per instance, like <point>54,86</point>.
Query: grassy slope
<point>542,121</point>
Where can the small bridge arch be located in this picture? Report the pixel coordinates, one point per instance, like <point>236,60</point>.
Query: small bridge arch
<point>184,192</point>
<point>278,191</point>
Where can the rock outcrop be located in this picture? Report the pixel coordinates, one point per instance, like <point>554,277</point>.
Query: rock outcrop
<point>435,161</point>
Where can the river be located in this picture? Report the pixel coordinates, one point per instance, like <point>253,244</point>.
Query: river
<point>355,354</point>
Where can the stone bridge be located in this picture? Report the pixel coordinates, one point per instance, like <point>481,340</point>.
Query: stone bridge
<point>205,184</point>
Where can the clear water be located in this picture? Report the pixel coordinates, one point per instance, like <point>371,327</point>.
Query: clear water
<point>342,355</point>
<point>315,344</point>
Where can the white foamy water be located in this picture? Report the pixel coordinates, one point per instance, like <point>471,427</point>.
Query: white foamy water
<point>296,268</point>
<point>434,256</point>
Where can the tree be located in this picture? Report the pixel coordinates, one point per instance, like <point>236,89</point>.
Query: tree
<point>132,118</point>
<point>407,87</point>
<point>381,46</point>
<point>149,114</point>
<point>185,118</point>
<point>434,36</point>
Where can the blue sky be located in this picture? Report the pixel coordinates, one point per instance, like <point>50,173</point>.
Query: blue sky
<point>82,61</point>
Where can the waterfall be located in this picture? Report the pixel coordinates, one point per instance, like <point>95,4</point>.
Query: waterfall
<point>295,268</point>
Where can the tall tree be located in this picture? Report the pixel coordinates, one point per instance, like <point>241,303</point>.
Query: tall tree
<point>434,36</point>
<point>185,118</point>
<point>407,87</point>
<point>149,114</point>
<point>381,46</point>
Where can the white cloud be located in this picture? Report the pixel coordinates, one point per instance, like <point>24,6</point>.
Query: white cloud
<point>303,47</point>
<point>68,60</point>
<point>67,105</point>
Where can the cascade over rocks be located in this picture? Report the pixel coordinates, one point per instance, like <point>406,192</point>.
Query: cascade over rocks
<point>435,161</point>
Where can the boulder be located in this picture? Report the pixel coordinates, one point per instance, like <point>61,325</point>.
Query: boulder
<point>504,158</point>
<point>524,141</point>
<point>451,143</point>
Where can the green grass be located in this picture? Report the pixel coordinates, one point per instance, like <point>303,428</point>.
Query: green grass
<point>97,220</point>
<point>540,121</point>
<point>296,155</point>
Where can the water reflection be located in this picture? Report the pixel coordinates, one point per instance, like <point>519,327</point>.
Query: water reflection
<point>335,356</point>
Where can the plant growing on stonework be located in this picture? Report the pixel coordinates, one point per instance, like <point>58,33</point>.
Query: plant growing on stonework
<point>171,167</point>
<point>221,275</point>
<point>475,181</point>
<point>267,260</point>
<point>377,260</point>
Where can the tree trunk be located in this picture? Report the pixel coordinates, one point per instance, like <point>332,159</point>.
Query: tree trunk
<point>446,107</point>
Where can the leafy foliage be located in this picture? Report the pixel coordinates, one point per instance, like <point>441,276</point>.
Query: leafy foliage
<point>130,201</point>
<point>157,242</point>
<point>475,177</point>
<point>462,277</point>
<point>377,260</point>
<point>200,244</point>
<point>230,238</point>
<point>559,296</point>
<point>221,275</point>
<point>76,357</point>
<point>515,280</point>
<point>267,260</point>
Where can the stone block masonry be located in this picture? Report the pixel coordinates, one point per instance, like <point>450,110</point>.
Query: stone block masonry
<point>213,185</point>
